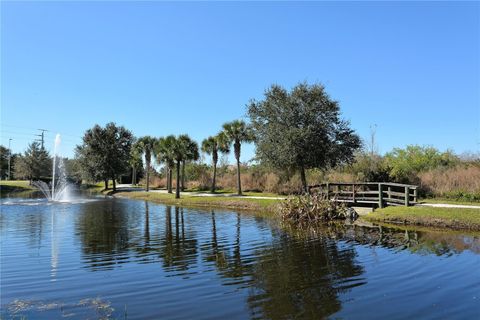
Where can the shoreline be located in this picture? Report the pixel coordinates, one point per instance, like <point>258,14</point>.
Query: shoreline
<point>415,216</point>
<point>265,206</point>
<point>465,218</point>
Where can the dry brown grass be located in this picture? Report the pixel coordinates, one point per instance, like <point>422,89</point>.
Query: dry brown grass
<point>462,181</point>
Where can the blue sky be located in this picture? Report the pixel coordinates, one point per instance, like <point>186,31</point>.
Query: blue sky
<point>160,68</point>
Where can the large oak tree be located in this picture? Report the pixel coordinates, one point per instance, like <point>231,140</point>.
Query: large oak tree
<point>301,129</point>
<point>105,152</point>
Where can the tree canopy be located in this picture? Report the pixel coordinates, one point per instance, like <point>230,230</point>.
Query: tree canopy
<point>4,155</point>
<point>105,152</point>
<point>34,164</point>
<point>301,129</point>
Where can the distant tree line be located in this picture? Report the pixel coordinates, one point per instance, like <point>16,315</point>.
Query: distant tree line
<point>293,130</point>
<point>298,131</point>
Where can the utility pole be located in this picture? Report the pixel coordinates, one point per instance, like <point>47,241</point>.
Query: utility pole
<point>9,159</point>
<point>42,136</point>
<point>373,132</point>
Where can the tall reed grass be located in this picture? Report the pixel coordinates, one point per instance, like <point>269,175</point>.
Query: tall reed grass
<point>461,182</point>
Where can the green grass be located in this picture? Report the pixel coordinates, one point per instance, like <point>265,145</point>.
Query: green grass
<point>450,201</point>
<point>230,191</point>
<point>15,186</point>
<point>209,202</point>
<point>427,216</point>
<point>225,191</point>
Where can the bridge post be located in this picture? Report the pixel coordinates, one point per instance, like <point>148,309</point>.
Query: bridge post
<point>407,196</point>
<point>380,195</point>
<point>353,193</point>
<point>415,195</point>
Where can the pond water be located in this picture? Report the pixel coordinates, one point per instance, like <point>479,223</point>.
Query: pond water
<point>127,259</point>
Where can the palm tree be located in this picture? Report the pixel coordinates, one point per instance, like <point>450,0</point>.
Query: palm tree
<point>164,151</point>
<point>237,132</point>
<point>191,149</point>
<point>146,144</point>
<point>135,161</point>
<point>211,146</point>
<point>179,150</point>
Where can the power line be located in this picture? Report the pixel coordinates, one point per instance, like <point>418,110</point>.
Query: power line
<point>42,136</point>
<point>47,130</point>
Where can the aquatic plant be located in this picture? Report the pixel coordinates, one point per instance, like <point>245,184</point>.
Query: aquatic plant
<point>310,209</point>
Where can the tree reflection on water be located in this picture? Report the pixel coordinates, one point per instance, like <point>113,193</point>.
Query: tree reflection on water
<point>291,273</point>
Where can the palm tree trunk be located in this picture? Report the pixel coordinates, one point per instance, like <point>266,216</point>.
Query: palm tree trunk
<point>133,175</point>
<point>183,175</point>
<point>170,178</point>
<point>148,176</point>
<point>237,147</point>
<point>304,179</point>
<point>177,187</point>
<point>166,177</point>
<point>214,176</point>
<point>239,181</point>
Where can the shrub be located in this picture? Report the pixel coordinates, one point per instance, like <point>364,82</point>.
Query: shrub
<point>368,167</point>
<point>312,209</point>
<point>406,164</point>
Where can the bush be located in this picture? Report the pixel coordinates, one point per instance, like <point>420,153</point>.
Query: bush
<point>307,210</point>
<point>406,164</point>
<point>368,167</point>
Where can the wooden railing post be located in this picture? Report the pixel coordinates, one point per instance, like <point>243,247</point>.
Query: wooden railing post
<point>407,196</point>
<point>353,193</point>
<point>415,195</point>
<point>328,191</point>
<point>380,195</point>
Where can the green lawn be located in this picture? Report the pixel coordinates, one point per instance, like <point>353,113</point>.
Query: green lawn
<point>427,216</point>
<point>449,201</point>
<point>209,202</point>
<point>15,186</point>
<point>245,193</point>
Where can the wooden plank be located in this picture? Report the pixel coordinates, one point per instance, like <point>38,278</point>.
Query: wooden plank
<point>400,201</point>
<point>386,184</point>
<point>407,196</point>
<point>397,194</point>
<point>399,185</point>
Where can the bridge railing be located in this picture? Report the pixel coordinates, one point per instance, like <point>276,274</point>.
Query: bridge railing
<point>380,193</point>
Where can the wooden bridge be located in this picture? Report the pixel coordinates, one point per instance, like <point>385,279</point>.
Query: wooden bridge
<point>378,193</point>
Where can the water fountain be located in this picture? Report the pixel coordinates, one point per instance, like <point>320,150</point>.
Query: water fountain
<point>59,186</point>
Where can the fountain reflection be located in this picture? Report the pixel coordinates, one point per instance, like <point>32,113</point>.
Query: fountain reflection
<point>178,257</point>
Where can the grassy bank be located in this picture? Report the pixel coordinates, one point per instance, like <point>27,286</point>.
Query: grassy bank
<point>452,218</point>
<point>450,201</point>
<point>245,203</point>
<point>15,186</point>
